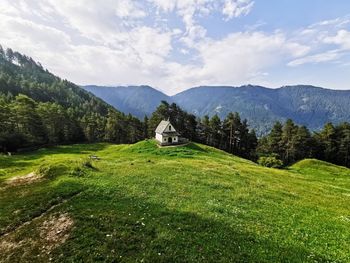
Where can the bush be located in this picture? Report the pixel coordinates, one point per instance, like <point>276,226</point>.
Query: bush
<point>87,163</point>
<point>270,161</point>
<point>79,168</point>
<point>77,171</point>
<point>46,171</point>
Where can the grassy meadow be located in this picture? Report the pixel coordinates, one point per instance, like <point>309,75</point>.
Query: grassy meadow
<point>141,203</point>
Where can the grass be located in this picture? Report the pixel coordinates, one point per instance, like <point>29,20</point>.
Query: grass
<point>141,203</point>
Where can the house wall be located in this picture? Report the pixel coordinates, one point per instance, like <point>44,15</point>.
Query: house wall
<point>164,139</point>
<point>159,137</point>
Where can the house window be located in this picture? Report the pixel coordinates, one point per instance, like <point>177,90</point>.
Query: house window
<point>169,128</point>
<point>165,139</point>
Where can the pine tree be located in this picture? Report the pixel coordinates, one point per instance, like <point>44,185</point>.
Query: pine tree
<point>275,143</point>
<point>344,145</point>
<point>28,122</point>
<point>288,141</point>
<point>215,131</point>
<point>145,127</point>
<point>328,141</point>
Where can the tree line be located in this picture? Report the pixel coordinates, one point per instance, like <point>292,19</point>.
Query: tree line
<point>285,144</point>
<point>26,123</point>
<point>38,108</point>
<point>289,143</point>
<point>231,134</point>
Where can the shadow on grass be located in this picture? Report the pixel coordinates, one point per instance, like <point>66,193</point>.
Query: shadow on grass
<point>21,160</point>
<point>111,226</point>
<point>195,147</point>
<point>70,149</point>
<point>22,203</point>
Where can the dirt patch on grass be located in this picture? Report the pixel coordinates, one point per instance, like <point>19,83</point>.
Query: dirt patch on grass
<point>48,235</point>
<point>55,231</point>
<point>7,245</point>
<point>26,179</point>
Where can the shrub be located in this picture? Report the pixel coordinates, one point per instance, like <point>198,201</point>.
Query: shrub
<point>2,172</point>
<point>45,170</point>
<point>87,163</point>
<point>270,161</point>
<point>79,168</point>
<point>77,171</point>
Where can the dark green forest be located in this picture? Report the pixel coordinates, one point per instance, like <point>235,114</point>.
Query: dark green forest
<point>39,109</point>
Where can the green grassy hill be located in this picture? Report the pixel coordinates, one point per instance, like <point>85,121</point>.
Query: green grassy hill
<point>141,203</point>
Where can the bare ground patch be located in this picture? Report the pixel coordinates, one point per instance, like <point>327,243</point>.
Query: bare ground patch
<point>55,231</point>
<point>6,245</point>
<point>11,229</point>
<point>26,179</point>
<point>48,235</point>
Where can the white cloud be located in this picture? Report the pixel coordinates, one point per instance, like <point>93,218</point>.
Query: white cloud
<point>242,55</point>
<point>337,22</point>
<point>319,36</point>
<point>189,9</point>
<point>317,58</point>
<point>111,53</point>
<point>342,38</point>
<point>236,8</point>
<point>114,43</point>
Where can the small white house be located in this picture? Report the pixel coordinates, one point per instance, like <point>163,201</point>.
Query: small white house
<point>166,133</point>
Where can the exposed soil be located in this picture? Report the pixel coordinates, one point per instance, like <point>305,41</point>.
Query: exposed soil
<point>8,231</point>
<point>52,233</point>
<point>26,179</point>
<point>55,231</point>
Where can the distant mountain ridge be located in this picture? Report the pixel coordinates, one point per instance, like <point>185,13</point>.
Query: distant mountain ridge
<point>137,100</point>
<point>306,105</point>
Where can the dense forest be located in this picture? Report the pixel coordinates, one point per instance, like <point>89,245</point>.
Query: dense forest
<point>289,143</point>
<point>231,135</point>
<point>39,109</point>
<point>285,144</point>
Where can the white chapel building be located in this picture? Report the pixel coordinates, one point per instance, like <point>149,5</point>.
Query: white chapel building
<point>166,133</point>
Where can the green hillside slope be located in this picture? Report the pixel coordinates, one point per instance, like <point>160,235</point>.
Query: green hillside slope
<point>141,203</point>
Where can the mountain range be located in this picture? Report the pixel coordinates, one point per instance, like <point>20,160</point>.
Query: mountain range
<point>306,105</point>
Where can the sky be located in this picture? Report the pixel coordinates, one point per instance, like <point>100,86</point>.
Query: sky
<point>173,45</point>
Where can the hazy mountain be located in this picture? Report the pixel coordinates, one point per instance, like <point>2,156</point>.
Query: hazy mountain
<point>137,100</point>
<point>306,105</point>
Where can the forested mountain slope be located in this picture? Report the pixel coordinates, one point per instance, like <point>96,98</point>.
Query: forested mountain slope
<point>306,105</point>
<point>137,100</point>
<point>37,107</point>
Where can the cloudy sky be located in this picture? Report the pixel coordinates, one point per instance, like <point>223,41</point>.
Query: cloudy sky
<point>173,45</point>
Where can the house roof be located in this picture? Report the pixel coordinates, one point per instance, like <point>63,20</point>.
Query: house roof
<point>162,126</point>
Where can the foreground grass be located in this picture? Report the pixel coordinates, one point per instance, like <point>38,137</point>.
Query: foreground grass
<point>141,203</point>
